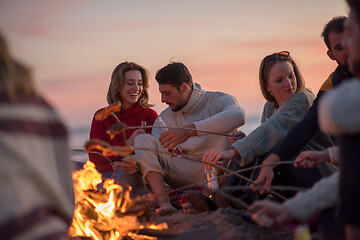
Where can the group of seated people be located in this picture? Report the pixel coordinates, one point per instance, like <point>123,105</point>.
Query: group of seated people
<point>318,133</point>
<point>289,126</point>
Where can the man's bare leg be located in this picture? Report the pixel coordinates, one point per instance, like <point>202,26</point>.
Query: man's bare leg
<point>157,184</point>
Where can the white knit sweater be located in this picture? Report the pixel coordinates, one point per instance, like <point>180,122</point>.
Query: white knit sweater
<point>212,111</point>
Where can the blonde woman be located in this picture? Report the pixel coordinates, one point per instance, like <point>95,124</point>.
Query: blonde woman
<point>288,100</point>
<point>129,85</point>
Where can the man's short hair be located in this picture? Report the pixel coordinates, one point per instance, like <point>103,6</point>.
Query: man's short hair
<point>335,25</point>
<point>175,74</point>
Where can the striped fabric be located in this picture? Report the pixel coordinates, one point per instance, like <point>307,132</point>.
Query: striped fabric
<point>36,190</point>
<point>275,124</point>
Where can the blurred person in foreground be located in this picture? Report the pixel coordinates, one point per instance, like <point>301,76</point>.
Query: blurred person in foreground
<point>339,114</point>
<point>129,85</point>
<point>36,188</point>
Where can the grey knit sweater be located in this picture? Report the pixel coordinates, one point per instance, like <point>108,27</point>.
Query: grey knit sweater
<point>275,124</point>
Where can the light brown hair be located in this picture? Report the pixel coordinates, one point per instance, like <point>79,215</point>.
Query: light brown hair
<point>118,80</point>
<point>267,63</point>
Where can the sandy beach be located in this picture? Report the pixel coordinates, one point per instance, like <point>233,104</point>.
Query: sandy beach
<point>220,224</point>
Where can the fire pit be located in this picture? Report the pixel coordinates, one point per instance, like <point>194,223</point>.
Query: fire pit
<point>104,210</point>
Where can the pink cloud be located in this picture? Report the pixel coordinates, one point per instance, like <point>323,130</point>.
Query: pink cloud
<point>188,24</point>
<point>78,97</point>
<point>274,44</point>
<point>35,20</point>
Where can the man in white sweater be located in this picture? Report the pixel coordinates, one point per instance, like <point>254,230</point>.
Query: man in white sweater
<point>190,107</point>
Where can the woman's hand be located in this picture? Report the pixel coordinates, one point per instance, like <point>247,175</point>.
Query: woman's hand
<point>270,214</point>
<point>236,135</point>
<point>266,174</point>
<point>129,166</point>
<point>264,179</point>
<point>136,133</point>
<point>213,156</point>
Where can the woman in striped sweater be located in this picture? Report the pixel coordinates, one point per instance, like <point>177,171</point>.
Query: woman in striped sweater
<point>288,100</point>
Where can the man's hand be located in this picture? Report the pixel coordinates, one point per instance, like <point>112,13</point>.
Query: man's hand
<point>172,137</point>
<point>311,159</point>
<point>213,156</point>
<point>269,214</point>
<point>129,166</point>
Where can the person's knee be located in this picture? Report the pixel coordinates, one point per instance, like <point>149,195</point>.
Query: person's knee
<point>124,179</point>
<point>144,141</point>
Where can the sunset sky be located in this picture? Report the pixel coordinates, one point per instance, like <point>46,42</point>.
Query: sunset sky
<point>74,45</point>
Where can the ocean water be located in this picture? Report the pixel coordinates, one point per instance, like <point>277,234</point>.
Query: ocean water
<point>79,135</point>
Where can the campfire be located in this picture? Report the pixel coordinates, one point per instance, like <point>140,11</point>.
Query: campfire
<point>104,210</point>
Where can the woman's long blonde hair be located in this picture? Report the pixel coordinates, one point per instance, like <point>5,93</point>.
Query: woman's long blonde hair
<point>118,80</point>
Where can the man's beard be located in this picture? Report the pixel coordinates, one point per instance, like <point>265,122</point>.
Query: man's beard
<point>178,108</point>
<point>344,66</point>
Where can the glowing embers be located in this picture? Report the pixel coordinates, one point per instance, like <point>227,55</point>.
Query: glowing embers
<point>107,213</point>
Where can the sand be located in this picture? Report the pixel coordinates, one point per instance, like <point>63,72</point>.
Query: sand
<point>220,224</point>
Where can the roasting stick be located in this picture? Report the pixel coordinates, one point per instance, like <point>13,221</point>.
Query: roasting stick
<point>120,127</point>
<point>123,132</point>
<point>290,188</point>
<point>187,157</point>
<point>172,175</point>
<point>101,144</point>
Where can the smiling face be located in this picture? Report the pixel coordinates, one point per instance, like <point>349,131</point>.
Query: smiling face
<point>282,82</point>
<point>132,88</point>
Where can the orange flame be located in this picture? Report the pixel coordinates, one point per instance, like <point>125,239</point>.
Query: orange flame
<point>101,214</point>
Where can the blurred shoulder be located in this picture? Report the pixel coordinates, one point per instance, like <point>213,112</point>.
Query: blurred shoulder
<point>339,109</point>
